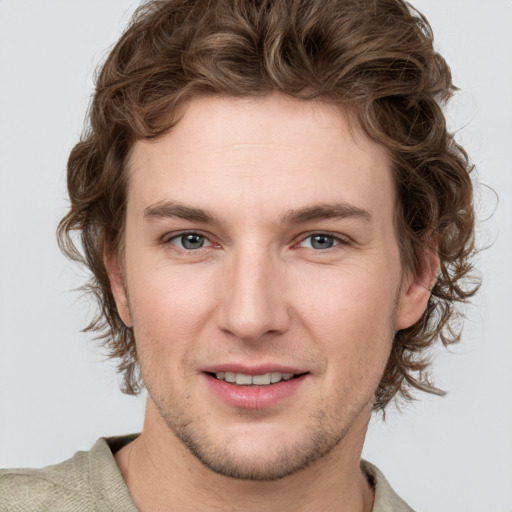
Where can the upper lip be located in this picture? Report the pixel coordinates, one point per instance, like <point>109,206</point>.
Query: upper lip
<point>253,370</point>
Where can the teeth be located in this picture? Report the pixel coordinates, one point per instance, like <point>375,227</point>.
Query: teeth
<point>229,377</point>
<point>261,380</point>
<point>254,380</point>
<point>243,380</point>
<point>275,377</point>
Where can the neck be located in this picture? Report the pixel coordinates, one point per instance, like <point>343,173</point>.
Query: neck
<point>162,474</point>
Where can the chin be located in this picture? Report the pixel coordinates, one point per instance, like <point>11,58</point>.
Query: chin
<point>266,457</point>
<point>241,465</point>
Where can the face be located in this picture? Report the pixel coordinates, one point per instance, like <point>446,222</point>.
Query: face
<point>262,279</point>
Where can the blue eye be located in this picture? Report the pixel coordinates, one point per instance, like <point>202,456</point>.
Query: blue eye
<point>320,241</point>
<point>190,241</point>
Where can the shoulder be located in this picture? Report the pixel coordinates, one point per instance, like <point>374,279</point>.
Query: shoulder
<point>386,499</point>
<point>88,481</point>
<point>52,488</point>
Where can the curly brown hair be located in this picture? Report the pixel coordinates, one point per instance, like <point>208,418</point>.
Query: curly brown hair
<point>375,55</point>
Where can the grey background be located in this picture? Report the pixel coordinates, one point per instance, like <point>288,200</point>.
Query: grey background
<point>57,394</point>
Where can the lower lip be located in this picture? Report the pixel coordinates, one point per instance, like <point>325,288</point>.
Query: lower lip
<point>254,397</point>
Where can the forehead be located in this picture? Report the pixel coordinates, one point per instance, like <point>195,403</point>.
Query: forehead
<point>266,154</point>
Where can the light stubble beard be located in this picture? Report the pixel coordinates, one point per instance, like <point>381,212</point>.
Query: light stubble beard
<point>325,430</point>
<point>316,442</point>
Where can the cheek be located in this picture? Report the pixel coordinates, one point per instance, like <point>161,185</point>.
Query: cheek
<point>168,306</point>
<point>350,296</point>
<point>350,314</point>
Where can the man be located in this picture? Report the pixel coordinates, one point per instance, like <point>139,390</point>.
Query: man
<point>278,225</point>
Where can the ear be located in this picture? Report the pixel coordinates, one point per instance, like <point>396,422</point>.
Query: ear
<point>117,284</point>
<point>416,288</point>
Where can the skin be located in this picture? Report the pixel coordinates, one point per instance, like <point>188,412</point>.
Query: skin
<point>260,291</point>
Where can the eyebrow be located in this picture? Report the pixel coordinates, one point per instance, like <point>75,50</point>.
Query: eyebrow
<point>342,210</point>
<point>325,211</point>
<point>170,209</point>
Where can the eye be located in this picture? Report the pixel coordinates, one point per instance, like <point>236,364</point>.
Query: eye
<point>190,241</point>
<point>320,241</point>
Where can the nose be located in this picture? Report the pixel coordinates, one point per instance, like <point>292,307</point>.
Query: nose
<point>253,302</point>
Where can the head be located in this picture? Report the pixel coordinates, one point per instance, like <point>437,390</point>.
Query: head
<point>373,60</point>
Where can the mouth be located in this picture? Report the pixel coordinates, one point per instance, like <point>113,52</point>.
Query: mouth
<point>264,379</point>
<point>262,388</point>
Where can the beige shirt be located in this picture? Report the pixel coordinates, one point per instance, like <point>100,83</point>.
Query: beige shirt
<point>91,481</point>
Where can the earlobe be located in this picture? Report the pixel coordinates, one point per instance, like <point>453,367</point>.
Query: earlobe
<point>416,288</point>
<point>118,286</point>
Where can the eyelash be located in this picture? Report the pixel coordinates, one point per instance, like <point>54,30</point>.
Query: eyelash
<point>337,240</point>
<point>168,240</point>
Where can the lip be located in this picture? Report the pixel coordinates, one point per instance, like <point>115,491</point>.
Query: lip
<point>253,397</point>
<point>253,370</point>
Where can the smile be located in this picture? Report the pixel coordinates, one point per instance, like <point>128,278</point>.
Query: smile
<point>254,388</point>
<point>265,379</point>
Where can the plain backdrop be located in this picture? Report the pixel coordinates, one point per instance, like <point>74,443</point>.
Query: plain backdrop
<point>57,392</point>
